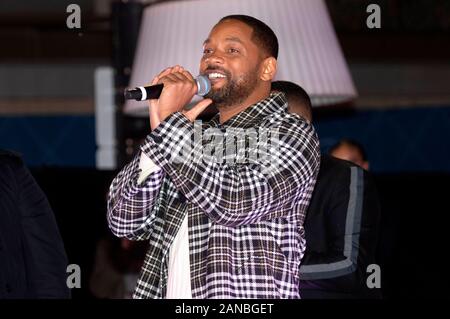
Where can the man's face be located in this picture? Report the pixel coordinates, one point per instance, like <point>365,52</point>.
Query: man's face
<point>231,60</point>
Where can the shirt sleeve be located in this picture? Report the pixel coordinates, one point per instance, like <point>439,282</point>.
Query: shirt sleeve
<point>235,194</point>
<point>131,198</point>
<point>146,166</point>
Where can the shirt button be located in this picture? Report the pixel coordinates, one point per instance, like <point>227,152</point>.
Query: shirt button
<point>157,139</point>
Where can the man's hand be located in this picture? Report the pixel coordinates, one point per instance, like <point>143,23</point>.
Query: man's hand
<point>179,88</point>
<point>197,109</point>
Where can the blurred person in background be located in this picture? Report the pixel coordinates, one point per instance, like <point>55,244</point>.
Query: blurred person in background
<point>33,260</point>
<point>341,224</point>
<point>352,151</point>
<point>116,267</point>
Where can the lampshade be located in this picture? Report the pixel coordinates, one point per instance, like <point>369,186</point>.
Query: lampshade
<point>309,54</point>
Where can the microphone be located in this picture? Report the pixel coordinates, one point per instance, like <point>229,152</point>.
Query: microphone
<point>142,93</point>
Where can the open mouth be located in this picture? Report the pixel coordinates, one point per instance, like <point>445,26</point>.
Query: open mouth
<point>215,76</point>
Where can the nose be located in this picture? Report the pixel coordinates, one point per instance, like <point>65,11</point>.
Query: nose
<point>214,58</point>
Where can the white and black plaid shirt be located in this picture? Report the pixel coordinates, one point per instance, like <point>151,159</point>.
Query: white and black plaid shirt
<point>246,236</point>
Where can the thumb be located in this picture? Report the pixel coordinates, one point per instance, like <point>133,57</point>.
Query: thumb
<point>197,109</point>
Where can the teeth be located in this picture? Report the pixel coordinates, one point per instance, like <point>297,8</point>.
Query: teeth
<point>216,75</point>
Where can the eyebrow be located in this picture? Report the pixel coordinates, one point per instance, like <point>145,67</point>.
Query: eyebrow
<point>231,39</point>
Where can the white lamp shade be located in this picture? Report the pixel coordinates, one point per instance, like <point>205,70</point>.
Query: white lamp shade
<point>309,54</point>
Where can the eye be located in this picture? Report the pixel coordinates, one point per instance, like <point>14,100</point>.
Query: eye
<point>207,51</point>
<point>233,50</point>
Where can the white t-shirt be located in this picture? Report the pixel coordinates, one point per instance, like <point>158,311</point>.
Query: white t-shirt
<point>179,274</point>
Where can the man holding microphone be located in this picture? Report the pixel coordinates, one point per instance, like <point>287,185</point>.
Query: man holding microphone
<point>220,229</point>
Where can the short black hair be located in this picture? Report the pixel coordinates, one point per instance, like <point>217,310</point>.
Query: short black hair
<point>262,34</point>
<point>352,143</point>
<point>297,97</point>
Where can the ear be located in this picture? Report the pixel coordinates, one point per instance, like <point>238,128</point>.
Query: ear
<point>366,165</point>
<point>268,69</point>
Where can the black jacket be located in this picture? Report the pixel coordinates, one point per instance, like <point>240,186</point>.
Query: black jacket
<point>32,257</point>
<point>341,229</point>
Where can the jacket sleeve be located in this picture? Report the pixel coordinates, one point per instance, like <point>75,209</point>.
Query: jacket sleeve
<point>131,202</point>
<point>46,256</point>
<point>235,194</point>
<point>351,226</point>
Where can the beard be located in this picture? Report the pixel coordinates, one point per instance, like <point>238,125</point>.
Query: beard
<point>235,91</point>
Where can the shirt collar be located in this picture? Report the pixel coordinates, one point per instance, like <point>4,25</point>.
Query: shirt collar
<point>252,114</point>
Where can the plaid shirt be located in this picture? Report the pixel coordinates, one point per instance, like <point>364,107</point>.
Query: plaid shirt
<point>246,236</point>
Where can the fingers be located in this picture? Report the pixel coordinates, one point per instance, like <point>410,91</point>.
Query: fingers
<point>163,73</point>
<point>166,72</point>
<point>195,111</point>
<point>175,77</point>
<point>179,76</point>
<point>188,75</point>
<point>184,73</point>
<point>174,74</point>
<point>155,80</point>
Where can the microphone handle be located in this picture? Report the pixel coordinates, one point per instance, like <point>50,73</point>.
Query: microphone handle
<point>154,91</point>
<point>142,93</point>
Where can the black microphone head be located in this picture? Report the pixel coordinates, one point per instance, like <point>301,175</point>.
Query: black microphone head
<point>203,85</point>
<point>128,95</point>
<point>135,94</point>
